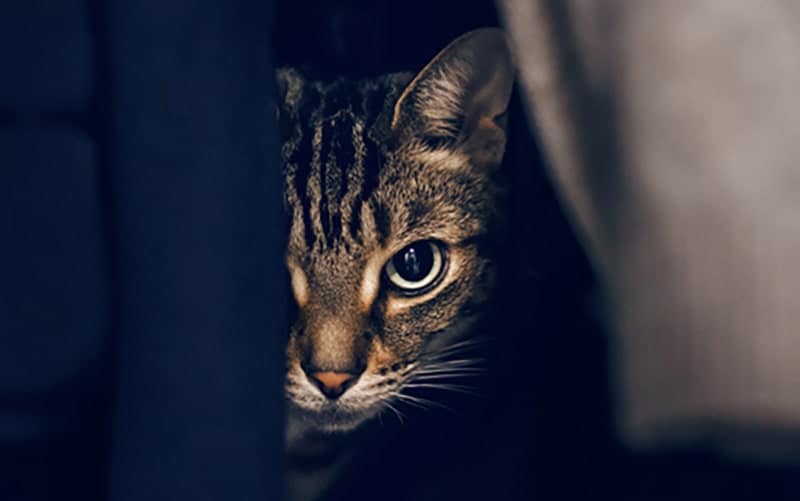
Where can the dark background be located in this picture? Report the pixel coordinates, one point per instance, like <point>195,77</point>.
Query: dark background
<point>546,429</point>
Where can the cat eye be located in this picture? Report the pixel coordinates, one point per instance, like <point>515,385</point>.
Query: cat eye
<point>417,267</point>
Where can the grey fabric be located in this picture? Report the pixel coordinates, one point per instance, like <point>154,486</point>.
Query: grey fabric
<point>672,130</point>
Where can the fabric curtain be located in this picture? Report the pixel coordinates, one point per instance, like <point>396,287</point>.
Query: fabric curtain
<point>671,130</point>
<point>143,302</point>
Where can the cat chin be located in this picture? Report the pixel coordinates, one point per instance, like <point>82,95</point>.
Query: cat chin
<point>328,421</point>
<point>340,427</point>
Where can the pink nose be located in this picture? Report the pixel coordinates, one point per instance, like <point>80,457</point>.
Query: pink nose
<point>333,384</point>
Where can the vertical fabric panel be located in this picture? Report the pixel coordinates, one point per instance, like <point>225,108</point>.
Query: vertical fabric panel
<point>199,241</point>
<point>672,132</point>
<point>45,56</point>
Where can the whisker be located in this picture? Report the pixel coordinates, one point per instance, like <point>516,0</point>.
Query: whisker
<point>420,402</point>
<point>461,364</point>
<point>445,377</point>
<point>449,370</point>
<point>455,361</point>
<point>396,412</point>
<point>448,357</point>
<point>457,388</point>
<point>434,369</point>
<point>410,401</point>
<point>467,342</point>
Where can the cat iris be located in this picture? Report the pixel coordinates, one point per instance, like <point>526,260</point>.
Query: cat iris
<point>417,268</point>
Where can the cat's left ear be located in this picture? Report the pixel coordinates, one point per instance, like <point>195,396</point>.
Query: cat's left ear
<point>461,96</point>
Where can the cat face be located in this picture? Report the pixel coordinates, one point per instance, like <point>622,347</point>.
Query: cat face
<point>390,190</point>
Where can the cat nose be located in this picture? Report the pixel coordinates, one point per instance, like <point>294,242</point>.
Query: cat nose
<point>333,384</point>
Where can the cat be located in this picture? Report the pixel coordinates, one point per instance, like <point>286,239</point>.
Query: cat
<point>391,190</point>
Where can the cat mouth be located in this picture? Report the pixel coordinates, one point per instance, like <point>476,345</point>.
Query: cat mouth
<point>332,417</point>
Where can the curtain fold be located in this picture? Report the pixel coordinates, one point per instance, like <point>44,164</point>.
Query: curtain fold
<point>198,237</point>
<point>671,130</point>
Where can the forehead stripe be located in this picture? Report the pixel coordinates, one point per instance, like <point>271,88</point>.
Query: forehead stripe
<point>325,168</point>
<point>334,164</point>
<point>313,187</point>
<point>354,185</point>
<point>302,157</point>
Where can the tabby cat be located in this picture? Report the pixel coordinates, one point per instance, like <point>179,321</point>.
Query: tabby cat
<point>390,185</point>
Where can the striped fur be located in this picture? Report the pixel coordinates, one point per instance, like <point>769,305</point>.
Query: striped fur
<point>332,154</point>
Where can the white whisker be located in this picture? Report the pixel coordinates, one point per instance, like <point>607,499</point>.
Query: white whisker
<point>445,377</point>
<point>422,403</point>
<point>455,363</point>
<point>457,369</point>
<point>467,390</point>
<point>396,412</point>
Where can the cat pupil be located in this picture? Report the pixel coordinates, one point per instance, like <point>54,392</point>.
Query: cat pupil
<point>416,262</point>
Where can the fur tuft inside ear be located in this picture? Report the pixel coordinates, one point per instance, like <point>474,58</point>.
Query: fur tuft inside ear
<point>464,88</point>
<point>288,83</point>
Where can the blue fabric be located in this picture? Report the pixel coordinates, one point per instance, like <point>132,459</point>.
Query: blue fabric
<point>142,287</point>
<point>46,56</point>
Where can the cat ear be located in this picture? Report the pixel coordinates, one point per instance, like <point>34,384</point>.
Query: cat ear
<point>462,93</point>
<point>288,89</point>
<point>288,83</point>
